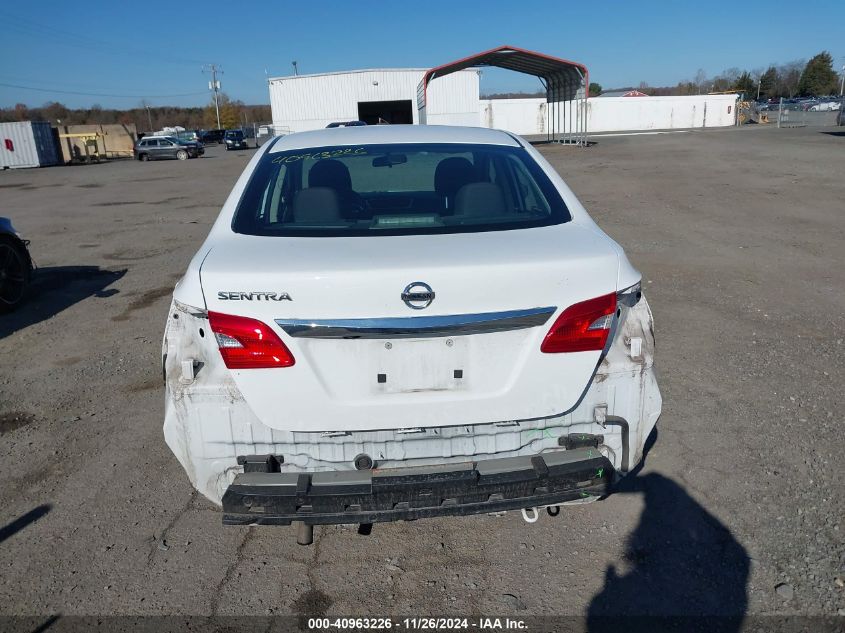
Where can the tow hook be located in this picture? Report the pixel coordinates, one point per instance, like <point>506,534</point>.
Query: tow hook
<point>531,515</point>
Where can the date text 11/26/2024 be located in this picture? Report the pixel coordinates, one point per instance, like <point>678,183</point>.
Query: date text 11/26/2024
<point>417,624</point>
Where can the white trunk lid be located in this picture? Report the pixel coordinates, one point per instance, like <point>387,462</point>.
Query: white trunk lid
<point>405,381</point>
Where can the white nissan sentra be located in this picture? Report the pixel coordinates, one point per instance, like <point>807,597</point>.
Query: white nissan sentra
<point>398,322</point>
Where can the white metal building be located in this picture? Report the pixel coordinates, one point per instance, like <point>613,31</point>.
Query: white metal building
<point>309,102</point>
<point>614,114</point>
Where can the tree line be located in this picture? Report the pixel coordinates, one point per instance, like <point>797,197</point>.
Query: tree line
<point>146,117</point>
<point>813,78</point>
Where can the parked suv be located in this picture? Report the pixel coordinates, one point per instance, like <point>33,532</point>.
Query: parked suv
<point>155,147</point>
<point>212,136</point>
<point>399,322</point>
<point>235,139</point>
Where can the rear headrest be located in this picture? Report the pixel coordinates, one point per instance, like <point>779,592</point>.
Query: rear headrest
<point>480,198</point>
<point>316,205</point>
<point>451,174</point>
<point>330,173</point>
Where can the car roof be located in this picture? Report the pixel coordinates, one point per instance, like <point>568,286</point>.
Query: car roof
<point>389,134</point>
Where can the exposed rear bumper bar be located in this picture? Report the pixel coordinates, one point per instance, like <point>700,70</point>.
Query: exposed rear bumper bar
<point>406,494</point>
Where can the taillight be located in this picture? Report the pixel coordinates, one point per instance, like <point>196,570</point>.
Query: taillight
<point>248,343</point>
<point>583,327</point>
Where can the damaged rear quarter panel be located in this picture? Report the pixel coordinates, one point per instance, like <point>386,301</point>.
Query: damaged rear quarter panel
<point>200,395</point>
<point>208,423</point>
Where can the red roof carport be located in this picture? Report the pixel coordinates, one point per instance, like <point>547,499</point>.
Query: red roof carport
<point>566,85</point>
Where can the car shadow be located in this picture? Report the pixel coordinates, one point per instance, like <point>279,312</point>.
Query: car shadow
<point>834,133</point>
<point>46,624</point>
<point>55,288</point>
<point>9,530</point>
<point>684,568</point>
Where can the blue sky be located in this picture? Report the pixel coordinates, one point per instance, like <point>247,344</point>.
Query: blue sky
<point>155,49</point>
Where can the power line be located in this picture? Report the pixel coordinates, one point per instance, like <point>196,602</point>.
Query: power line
<point>34,81</point>
<point>80,40</point>
<point>100,94</point>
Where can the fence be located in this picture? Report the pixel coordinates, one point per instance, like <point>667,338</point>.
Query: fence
<point>262,132</point>
<point>810,113</point>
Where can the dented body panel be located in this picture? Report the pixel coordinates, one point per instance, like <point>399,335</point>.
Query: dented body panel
<point>208,423</point>
<point>504,399</point>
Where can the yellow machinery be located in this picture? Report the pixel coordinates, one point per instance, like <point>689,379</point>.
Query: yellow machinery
<point>745,110</point>
<point>91,144</point>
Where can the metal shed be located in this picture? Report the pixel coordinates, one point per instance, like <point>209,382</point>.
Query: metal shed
<point>382,95</point>
<point>27,144</point>
<point>566,83</point>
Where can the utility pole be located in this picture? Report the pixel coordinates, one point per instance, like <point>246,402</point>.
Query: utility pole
<point>295,69</point>
<point>149,117</point>
<point>215,86</point>
<point>842,83</point>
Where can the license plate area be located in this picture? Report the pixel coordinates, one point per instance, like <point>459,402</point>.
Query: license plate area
<point>415,365</point>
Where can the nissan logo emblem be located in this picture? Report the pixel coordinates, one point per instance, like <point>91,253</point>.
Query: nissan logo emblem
<point>417,295</point>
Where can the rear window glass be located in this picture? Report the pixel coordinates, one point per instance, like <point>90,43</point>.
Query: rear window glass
<point>397,190</point>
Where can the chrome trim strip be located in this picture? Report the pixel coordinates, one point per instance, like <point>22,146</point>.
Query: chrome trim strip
<point>417,327</point>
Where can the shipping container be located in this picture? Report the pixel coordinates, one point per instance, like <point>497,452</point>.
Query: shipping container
<point>27,144</point>
<point>309,102</point>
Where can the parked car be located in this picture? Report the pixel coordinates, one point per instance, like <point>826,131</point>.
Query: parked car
<point>211,136</point>
<point>15,267</point>
<point>189,136</point>
<point>825,106</point>
<point>446,333</point>
<point>235,139</point>
<point>155,147</point>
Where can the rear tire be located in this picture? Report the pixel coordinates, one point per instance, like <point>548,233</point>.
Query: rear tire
<point>182,155</point>
<point>144,157</point>
<point>15,273</point>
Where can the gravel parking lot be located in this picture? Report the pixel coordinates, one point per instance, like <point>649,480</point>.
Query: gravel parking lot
<point>739,509</point>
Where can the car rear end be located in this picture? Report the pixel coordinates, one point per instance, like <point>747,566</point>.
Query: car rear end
<point>397,323</point>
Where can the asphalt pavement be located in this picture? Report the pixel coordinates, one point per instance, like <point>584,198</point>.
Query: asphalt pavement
<point>738,509</point>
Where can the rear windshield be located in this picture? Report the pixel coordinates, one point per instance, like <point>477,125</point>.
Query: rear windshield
<point>397,190</point>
